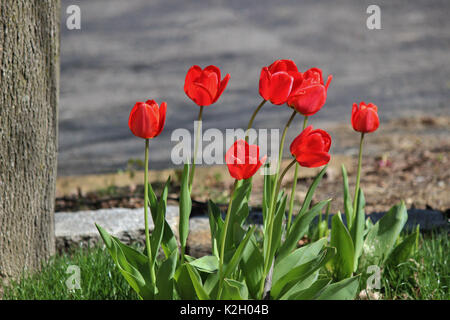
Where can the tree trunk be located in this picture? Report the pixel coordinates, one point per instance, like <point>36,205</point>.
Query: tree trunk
<point>29,89</point>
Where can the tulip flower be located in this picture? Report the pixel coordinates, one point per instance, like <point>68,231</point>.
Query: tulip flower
<point>310,96</point>
<point>147,119</point>
<point>364,120</point>
<point>204,87</point>
<point>243,160</point>
<point>277,81</point>
<point>310,148</point>
<point>365,117</point>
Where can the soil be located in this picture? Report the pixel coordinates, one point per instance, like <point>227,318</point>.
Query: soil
<point>406,159</point>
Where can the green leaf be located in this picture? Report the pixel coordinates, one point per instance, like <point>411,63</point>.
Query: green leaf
<point>357,229</point>
<point>207,264</point>
<point>185,206</point>
<point>157,234</point>
<point>342,290</point>
<point>404,249</point>
<point>309,293</point>
<point>348,207</point>
<point>197,283</point>
<point>234,290</point>
<point>299,273</point>
<point>183,283</point>
<point>299,227</point>
<point>342,263</point>
<point>381,238</point>
<point>296,258</point>
<point>311,190</point>
<point>237,256</point>
<point>277,229</point>
<point>164,277</point>
<point>132,264</point>
<point>216,225</point>
<point>252,266</point>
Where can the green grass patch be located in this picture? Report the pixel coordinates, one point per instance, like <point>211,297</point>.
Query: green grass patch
<point>100,279</point>
<point>425,276</point>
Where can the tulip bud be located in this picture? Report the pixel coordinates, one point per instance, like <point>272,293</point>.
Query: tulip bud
<point>147,119</point>
<point>365,117</point>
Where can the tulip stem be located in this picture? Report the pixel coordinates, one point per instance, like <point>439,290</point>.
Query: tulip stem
<point>358,175</point>
<point>223,239</point>
<point>250,123</point>
<point>197,136</point>
<point>147,233</point>
<point>273,201</point>
<point>294,185</point>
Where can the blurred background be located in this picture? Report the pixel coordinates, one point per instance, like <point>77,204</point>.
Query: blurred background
<point>128,51</point>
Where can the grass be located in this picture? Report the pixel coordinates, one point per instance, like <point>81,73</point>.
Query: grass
<point>100,279</point>
<point>424,276</point>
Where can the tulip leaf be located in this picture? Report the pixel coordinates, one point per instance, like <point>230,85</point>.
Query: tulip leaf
<point>343,290</point>
<point>216,225</point>
<point>184,285</point>
<point>357,228</point>
<point>348,207</point>
<point>311,190</point>
<point>299,256</point>
<point>164,277</point>
<point>342,263</point>
<point>234,290</point>
<point>252,265</point>
<point>404,249</point>
<point>310,293</point>
<point>157,234</point>
<point>381,238</point>
<point>299,227</point>
<point>197,283</point>
<point>207,264</point>
<point>230,267</point>
<point>185,206</point>
<point>300,273</point>
<point>132,264</point>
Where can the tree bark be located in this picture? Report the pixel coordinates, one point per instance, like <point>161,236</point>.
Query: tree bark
<point>29,89</point>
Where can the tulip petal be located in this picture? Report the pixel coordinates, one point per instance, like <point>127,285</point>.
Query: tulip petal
<point>193,73</point>
<point>313,159</point>
<point>264,83</point>
<point>222,86</point>
<point>309,100</point>
<point>280,87</point>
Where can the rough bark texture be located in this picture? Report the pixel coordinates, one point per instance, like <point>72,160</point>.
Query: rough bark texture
<point>29,77</point>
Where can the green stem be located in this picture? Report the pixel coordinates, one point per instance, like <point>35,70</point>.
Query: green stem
<point>294,185</point>
<point>250,123</point>
<point>223,239</point>
<point>197,136</point>
<point>147,233</point>
<point>273,201</point>
<point>355,199</point>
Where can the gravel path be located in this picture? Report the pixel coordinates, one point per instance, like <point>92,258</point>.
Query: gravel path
<point>129,51</point>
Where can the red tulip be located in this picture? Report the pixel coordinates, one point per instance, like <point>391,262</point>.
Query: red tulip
<point>147,119</point>
<point>278,80</point>
<point>365,117</point>
<point>310,96</point>
<point>311,147</point>
<point>243,160</point>
<point>204,87</point>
